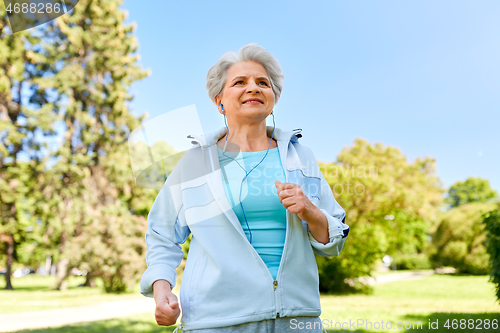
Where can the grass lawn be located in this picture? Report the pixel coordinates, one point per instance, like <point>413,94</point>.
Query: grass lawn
<point>144,322</point>
<point>33,292</point>
<point>434,298</point>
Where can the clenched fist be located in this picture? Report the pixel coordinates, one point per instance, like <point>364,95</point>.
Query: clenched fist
<point>293,198</point>
<point>167,306</point>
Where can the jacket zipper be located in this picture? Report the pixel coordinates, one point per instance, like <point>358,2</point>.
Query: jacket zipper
<point>275,283</point>
<point>275,286</point>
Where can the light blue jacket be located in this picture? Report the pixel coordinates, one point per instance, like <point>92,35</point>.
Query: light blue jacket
<point>225,282</point>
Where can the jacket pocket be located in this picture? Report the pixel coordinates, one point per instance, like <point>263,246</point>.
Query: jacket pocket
<point>311,185</point>
<point>187,293</point>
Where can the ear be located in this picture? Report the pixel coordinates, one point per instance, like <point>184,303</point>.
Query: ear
<point>217,102</point>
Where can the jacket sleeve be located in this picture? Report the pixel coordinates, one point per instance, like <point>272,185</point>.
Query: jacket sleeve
<point>337,229</point>
<point>166,230</point>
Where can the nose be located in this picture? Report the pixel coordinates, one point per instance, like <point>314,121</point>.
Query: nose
<point>252,87</point>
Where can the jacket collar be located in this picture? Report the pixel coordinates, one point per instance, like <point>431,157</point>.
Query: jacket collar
<point>212,138</point>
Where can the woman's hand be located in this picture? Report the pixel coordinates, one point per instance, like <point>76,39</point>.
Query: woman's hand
<point>167,306</point>
<point>292,197</point>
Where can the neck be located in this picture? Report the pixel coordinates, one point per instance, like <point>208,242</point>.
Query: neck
<point>247,138</point>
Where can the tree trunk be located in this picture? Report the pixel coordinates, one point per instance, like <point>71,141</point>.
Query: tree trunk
<point>62,269</point>
<point>48,264</point>
<point>89,281</point>
<point>10,261</point>
<point>62,272</point>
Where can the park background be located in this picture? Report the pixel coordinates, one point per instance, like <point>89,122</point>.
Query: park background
<point>408,89</point>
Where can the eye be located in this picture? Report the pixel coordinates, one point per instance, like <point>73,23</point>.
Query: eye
<point>264,82</point>
<point>240,81</point>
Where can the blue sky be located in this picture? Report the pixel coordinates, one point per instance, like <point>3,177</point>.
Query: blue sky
<point>423,76</point>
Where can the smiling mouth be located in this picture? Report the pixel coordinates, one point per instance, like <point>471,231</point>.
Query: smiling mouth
<point>253,102</point>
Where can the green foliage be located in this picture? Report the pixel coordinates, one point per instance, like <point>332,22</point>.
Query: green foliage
<point>338,275</point>
<point>98,226</point>
<point>412,261</point>
<point>152,166</point>
<point>408,234</point>
<point>458,239</point>
<point>472,190</point>
<point>109,243</point>
<point>389,204</point>
<point>85,210</point>
<point>25,110</point>
<point>492,229</point>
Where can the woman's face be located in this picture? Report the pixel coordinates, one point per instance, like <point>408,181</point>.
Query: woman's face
<point>247,93</point>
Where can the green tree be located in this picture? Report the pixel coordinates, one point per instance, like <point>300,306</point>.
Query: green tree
<point>459,238</point>
<point>26,111</point>
<point>390,204</point>
<point>471,190</point>
<point>91,182</point>
<point>492,228</point>
<point>85,210</point>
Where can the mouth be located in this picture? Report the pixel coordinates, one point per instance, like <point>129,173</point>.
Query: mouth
<point>253,101</point>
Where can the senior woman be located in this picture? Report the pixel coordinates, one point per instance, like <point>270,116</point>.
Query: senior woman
<point>258,208</point>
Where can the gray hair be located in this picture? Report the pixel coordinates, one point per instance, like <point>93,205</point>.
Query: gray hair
<point>217,75</point>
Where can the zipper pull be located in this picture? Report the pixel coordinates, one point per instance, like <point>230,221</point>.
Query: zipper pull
<point>275,283</point>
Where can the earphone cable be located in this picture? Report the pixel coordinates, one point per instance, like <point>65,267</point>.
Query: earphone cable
<point>246,174</point>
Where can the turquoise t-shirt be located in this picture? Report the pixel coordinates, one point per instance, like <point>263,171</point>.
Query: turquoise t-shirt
<point>264,213</point>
